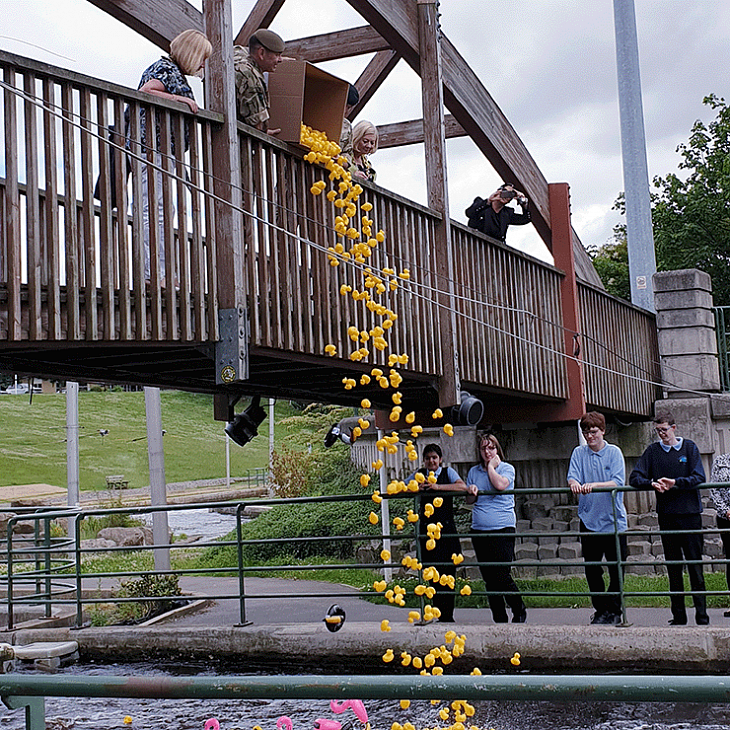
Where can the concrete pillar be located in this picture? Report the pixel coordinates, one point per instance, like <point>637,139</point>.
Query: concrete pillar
<point>686,331</point>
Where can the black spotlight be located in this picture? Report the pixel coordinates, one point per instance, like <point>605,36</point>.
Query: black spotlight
<point>245,425</point>
<point>469,412</point>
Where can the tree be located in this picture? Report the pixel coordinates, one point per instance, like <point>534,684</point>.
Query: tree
<point>611,261</point>
<point>690,215</point>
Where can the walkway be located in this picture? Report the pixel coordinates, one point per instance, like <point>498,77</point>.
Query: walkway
<point>291,632</point>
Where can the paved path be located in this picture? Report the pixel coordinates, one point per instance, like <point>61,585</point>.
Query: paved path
<point>283,608</point>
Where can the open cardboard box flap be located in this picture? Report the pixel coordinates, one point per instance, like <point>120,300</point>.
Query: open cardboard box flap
<point>300,92</point>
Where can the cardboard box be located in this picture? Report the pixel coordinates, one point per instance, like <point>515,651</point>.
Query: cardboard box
<point>300,92</point>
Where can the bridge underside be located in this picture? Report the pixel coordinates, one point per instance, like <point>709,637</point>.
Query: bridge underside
<point>191,367</point>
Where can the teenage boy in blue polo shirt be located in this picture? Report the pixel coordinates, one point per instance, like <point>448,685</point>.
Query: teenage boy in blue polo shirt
<point>593,465</point>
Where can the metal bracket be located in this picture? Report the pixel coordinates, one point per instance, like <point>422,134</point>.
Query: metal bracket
<point>35,710</point>
<point>231,350</point>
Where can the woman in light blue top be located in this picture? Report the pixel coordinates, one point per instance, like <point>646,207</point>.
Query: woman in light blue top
<point>493,528</point>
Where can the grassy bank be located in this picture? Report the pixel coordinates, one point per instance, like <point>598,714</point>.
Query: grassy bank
<point>33,448</point>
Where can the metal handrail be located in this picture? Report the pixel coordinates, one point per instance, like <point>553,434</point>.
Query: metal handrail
<point>49,558</point>
<point>722,314</point>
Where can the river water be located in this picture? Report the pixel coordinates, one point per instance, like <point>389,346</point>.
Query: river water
<point>99,714</point>
<point>198,522</point>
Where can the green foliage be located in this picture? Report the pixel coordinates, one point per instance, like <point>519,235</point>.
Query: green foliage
<point>690,213</point>
<point>148,586</point>
<point>328,473</point>
<point>611,261</point>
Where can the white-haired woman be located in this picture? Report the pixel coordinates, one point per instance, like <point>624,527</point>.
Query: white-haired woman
<point>364,143</point>
<point>166,78</point>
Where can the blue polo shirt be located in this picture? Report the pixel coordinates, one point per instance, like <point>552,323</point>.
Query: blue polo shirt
<point>607,465</point>
<point>494,510</point>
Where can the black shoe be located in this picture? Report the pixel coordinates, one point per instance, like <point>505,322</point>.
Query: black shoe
<point>678,622</point>
<point>702,620</point>
<point>597,618</point>
<point>520,618</point>
<point>610,619</point>
<point>726,614</point>
<point>500,619</point>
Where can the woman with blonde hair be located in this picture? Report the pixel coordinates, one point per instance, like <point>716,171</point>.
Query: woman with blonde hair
<point>364,143</point>
<point>166,78</point>
<point>493,528</point>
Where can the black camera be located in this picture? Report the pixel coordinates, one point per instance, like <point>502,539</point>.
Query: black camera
<point>507,194</point>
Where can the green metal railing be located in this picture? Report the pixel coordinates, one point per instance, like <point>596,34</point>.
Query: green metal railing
<point>48,572</point>
<point>722,330</point>
<point>29,691</point>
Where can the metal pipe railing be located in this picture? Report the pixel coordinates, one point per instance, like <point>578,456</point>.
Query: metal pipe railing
<point>50,560</point>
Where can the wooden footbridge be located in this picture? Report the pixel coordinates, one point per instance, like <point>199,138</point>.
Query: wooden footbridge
<point>255,300</point>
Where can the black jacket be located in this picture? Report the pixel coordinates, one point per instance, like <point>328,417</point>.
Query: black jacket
<point>483,218</point>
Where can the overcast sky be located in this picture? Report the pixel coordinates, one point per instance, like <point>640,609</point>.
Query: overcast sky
<point>549,64</point>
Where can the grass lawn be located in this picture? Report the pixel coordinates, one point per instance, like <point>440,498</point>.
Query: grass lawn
<point>33,445</point>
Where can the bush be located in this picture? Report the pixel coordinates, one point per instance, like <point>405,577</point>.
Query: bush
<point>328,473</point>
<point>149,586</point>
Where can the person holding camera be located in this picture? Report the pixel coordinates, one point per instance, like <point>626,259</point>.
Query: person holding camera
<point>493,216</point>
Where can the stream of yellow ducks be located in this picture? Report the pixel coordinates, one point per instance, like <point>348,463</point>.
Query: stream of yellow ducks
<point>356,243</point>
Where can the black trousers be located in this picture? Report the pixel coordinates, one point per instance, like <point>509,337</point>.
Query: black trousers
<point>498,546</point>
<point>444,597</point>
<point>679,548</point>
<point>597,546</point>
<point>724,524</point>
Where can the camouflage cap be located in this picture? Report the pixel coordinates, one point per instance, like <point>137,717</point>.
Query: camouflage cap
<point>269,40</point>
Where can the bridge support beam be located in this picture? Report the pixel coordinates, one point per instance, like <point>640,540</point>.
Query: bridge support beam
<point>562,248</point>
<point>434,137</point>
<point>220,96</point>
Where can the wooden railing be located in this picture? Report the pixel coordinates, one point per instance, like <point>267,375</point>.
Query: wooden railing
<point>509,317</point>
<point>76,272</point>
<point>295,292</point>
<point>620,353</point>
<point>71,266</point>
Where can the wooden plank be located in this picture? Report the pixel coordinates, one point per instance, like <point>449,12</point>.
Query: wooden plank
<point>88,227</point>
<point>32,212</point>
<point>106,236</point>
<point>138,276</point>
<point>122,260</point>
<point>261,16</point>
<point>71,230</point>
<point>197,251</point>
<point>371,79</point>
<point>211,243</point>
<point>152,229</point>
<point>249,231</point>
<point>158,21</point>
<point>51,209</point>
<point>12,208</point>
<point>273,240</point>
<point>438,199</point>
<point>180,287</point>
<point>220,95</point>
<point>401,134</point>
<point>339,44</point>
<point>169,271</point>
